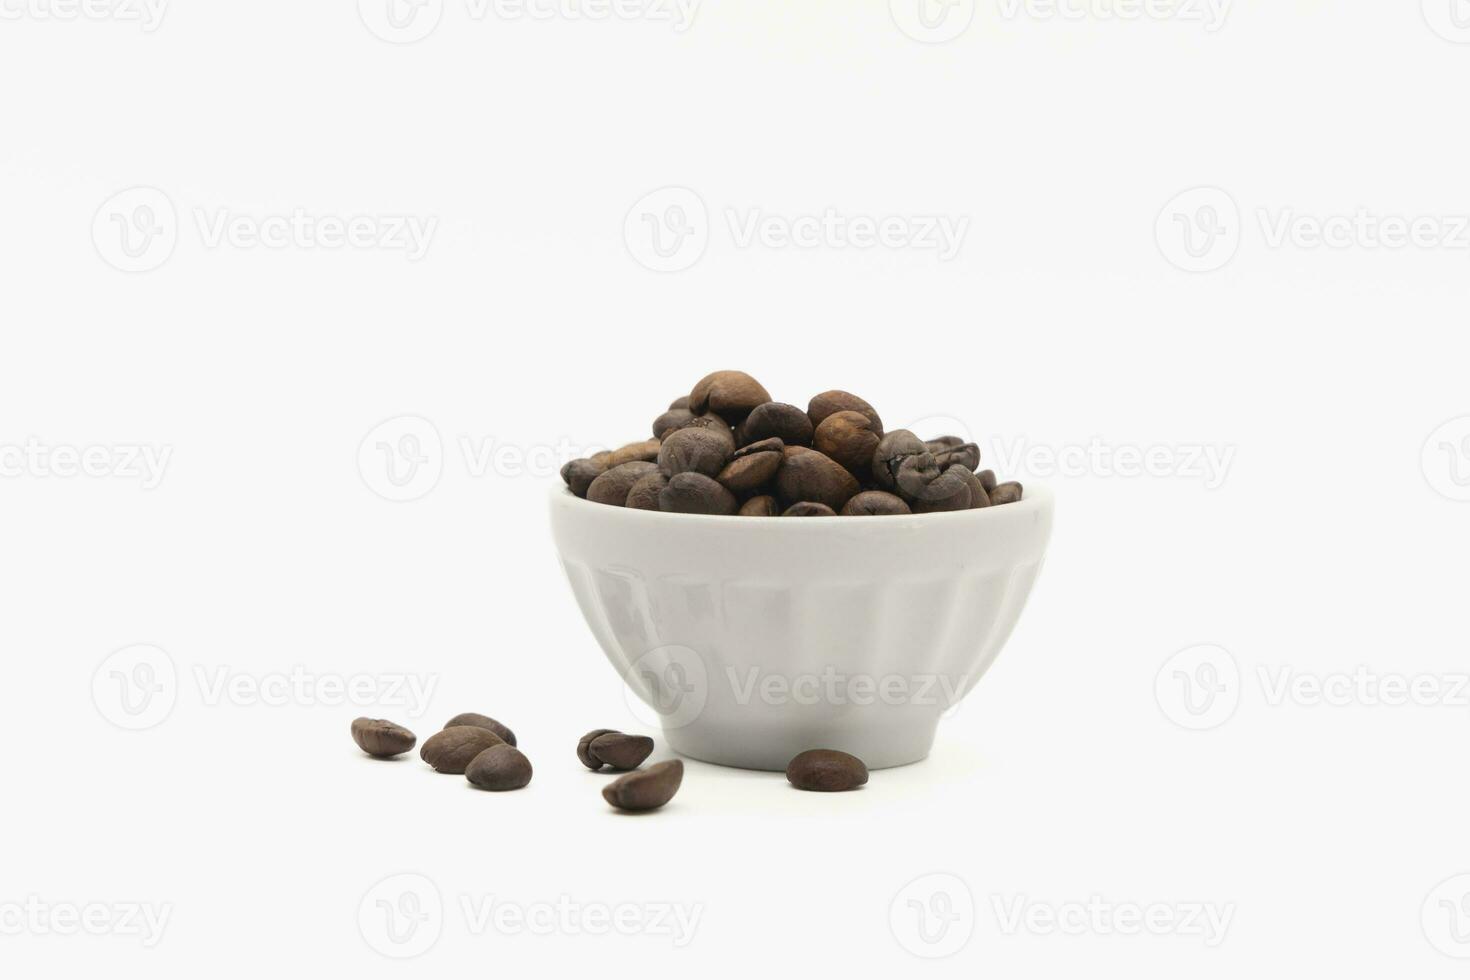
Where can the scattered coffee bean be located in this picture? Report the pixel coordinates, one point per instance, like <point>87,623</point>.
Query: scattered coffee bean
<point>731,395</point>
<point>806,474</point>
<point>646,789</point>
<point>752,466</point>
<point>830,402</point>
<point>875,503</point>
<point>482,721</point>
<point>644,494</point>
<point>826,771</point>
<point>646,451</point>
<point>695,493</point>
<point>612,486</point>
<point>1006,493</point>
<point>619,751</point>
<point>776,420</point>
<point>451,750</point>
<point>580,473</point>
<point>499,768</point>
<point>809,509</point>
<point>693,450</point>
<point>848,438</point>
<point>585,744</point>
<point>762,506</point>
<point>381,737</point>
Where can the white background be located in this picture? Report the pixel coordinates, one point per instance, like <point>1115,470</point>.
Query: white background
<point>1333,540</point>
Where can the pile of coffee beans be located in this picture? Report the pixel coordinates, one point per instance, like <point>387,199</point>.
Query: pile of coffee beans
<point>727,448</point>
<point>472,745</point>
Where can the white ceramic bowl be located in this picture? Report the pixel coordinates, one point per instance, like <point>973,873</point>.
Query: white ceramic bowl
<point>755,638</point>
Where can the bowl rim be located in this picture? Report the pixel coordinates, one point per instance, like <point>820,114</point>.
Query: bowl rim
<point>1037,498</point>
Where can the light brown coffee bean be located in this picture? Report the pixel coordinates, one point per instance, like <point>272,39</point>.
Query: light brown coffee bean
<point>829,402</point>
<point>826,771</point>
<point>776,420</point>
<point>644,494</point>
<point>729,394</point>
<point>848,438</point>
<point>482,721</point>
<point>1006,493</point>
<point>451,750</point>
<point>875,503</point>
<point>695,493</point>
<point>646,451</point>
<point>694,450</point>
<point>499,768</point>
<point>762,506</point>
<point>612,486</point>
<point>646,789</point>
<point>807,475</point>
<point>619,751</point>
<point>583,755</point>
<point>752,466</point>
<point>382,738</point>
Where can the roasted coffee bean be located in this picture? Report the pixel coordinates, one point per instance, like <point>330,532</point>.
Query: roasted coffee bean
<point>848,438</point>
<point>875,503</point>
<point>612,486</point>
<point>940,443</point>
<point>681,402</point>
<point>762,506</point>
<point>830,402</point>
<point>1006,493</point>
<point>826,771</point>
<point>807,475</point>
<point>987,479</point>
<point>809,509</point>
<point>893,449</point>
<point>644,494</point>
<point>752,466</point>
<point>619,751</point>
<point>673,419</point>
<point>708,421</point>
<point>965,454</point>
<point>776,420</point>
<point>647,451</point>
<point>693,450</point>
<point>580,473</point>
<point>695,493</point>
<point>586,742</point>
<point>381,737</point>
<point>729,394</point>
<point>646,789</point>
<point>499,768</point>
<point>451,750</point>
<point>482,721</point>
<point>929,489</point>
<point>978,496</point>
<point>600,459</point>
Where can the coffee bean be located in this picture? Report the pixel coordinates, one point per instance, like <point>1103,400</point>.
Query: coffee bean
<point>928,489</point>
<point>965,454</point>
<point>978,496</point>
<point>987,479</point>
<point>451,750</point>
<point>752,466</point>
<point>644,494</point>
<point>646,451</point>
<point>729,394</point>
<point>600,459</point>
<point>848,438</point>
<point>646,789</point>
<point>612,486</point>
<point>693,450</point>
<point>762,506</point>
<point>1006,493</point>
<point>681,402</point>
<point>669,421</point>
<point>499,768</point>
<point>619,751</point>
<point>695,493</point>
<point>807,475</point>
<point>893,449</point>
<point>580,473</point>
<point>826,771</point>
<point>776,420</point>
<point>586,742</point>
<point>875,503</point>
<point>809,509</point>
<point>381,737</point>
<point>831,402</point>
<point>482,721</point>
<point>708,421</point>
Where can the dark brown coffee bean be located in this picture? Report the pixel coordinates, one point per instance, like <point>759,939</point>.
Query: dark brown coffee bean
<point>647,789</point>
<point>776,420</point>
<point>978,496</point>
<point>762,506</point>
<point>830,402</point>
<point>708,421</point>
<point>808,509</point>
<point>806,474</point>
<point>499,768</point>
<point>965,454</point>
<point>940,443</point>
<point>451,750</point>
<point>987,479</point>
<point>695,493</point>
<point>826,771</point>
<point>580,473</point>
<point>669,421</point>
<point>612,486</point>
<point>694,450</point>
<point>619,751</point>
<point>928,489</point>
<point>893,449</point>
<point>381,737</point>
<point>875,503</point>
<point>752,466</point>
<point>848,437</point>
<point>646,451</point>
<point>644,494</point>
<point>681,402</point>
<point>729,394</point>
<point>482,721</point>
<point>1006,493</point>
<point>586,742</point>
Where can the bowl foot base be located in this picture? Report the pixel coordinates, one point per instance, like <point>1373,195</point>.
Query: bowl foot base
<point>771,749</point>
